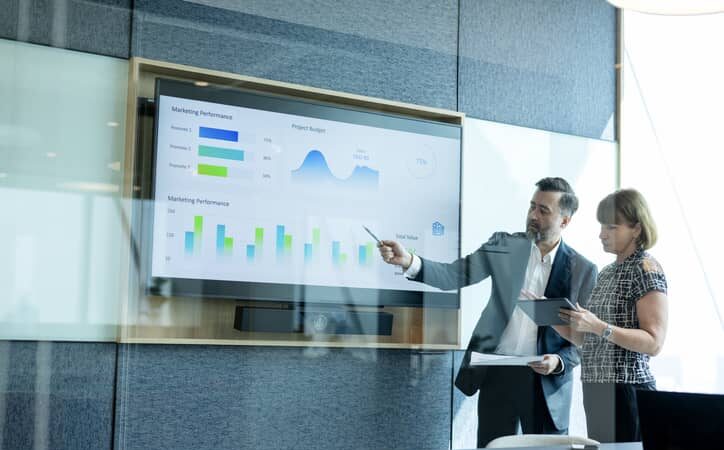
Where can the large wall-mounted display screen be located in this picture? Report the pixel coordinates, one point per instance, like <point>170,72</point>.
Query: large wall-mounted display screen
<point>264,197</point>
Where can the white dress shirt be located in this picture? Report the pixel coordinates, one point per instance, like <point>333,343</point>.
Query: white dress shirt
<point>521,334</point>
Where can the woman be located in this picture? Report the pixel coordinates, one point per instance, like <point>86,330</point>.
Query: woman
<point>625,322</point>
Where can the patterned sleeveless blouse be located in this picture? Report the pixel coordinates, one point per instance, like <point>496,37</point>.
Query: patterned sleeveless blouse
<point>613,300</point>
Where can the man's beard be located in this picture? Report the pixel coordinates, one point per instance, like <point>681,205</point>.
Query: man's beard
<point>535,232</point>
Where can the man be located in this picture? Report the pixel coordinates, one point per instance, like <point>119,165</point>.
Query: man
<point>534,264</point>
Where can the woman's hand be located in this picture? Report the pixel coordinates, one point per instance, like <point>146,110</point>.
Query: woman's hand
<point>583,320</point>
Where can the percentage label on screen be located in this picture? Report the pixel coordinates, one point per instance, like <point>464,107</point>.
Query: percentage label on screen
<point>422,163</point>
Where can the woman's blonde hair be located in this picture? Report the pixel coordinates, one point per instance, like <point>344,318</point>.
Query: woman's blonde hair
<point>628,206</point>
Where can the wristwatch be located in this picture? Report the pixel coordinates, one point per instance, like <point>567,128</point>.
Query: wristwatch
<point>607,332</point>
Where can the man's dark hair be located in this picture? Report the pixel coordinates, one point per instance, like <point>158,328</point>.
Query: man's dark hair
<point>568,201</point>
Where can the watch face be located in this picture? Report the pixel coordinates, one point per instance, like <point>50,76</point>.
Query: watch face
<point>607,332</point>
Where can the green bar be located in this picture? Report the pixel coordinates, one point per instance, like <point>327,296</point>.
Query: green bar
<point>212,171</point>
<point>315,238</point>
<point>343,258</point>
<point>259,237</point>
<point>228,244</point>
<point>370,250</point>
<point>198,228</point>
<point>288,242</point>
<point>222,153</point>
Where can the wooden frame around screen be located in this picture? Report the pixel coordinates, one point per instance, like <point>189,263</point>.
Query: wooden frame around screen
<point>210,321</point>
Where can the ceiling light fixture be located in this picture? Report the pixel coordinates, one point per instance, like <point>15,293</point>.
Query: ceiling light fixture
<point>671,7</point>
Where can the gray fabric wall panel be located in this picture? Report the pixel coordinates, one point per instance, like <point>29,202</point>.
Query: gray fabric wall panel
<point>56,395</point>
<point>546,65</point>
<point>94,26</point>
<point>9,18</point>
<point>464,413</point>
<point>382,55</point>
<point>217,397</point>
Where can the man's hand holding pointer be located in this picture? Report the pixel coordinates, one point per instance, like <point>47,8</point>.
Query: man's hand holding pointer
<point>394,253</point>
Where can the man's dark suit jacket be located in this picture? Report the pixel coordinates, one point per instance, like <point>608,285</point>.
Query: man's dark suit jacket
<point>504,258</point>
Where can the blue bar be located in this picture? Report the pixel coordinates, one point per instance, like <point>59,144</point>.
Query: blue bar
<point>220,231</point>
<point>280,240</point>
<point>218,133</point>
<point>189,242</point>
<point>335,252</point>
<point>250,249</point>
<point>362,255</point>
<point>307,252</point>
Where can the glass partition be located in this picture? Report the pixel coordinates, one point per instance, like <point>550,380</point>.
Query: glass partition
<point>501,165</point>
<point>62,125</point>
<point>671,138</point>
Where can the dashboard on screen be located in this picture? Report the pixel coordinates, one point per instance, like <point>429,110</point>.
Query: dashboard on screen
<point>265,197</point>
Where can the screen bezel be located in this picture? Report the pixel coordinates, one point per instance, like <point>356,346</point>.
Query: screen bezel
<point>292,293</point>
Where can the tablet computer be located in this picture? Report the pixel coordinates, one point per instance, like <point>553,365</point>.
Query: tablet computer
<point>544,311</point>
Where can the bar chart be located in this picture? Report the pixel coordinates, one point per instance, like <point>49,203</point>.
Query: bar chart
<point>320,249</point>
<point>222,155</point>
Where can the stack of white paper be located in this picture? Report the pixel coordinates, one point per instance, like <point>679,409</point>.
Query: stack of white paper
<point>489,359</point>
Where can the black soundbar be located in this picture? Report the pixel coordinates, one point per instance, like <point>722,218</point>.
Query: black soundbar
<point>312,321</point>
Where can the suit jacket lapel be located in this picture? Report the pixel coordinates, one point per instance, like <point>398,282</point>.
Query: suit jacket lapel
<point>559,282</point>
<point>520,255</point>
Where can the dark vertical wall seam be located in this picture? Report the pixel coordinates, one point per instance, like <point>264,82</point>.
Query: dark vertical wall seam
<point>457,64</point>
<point>130,28</point>
<point>115,393</point>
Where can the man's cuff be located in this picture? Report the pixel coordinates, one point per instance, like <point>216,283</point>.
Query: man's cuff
<point>562,364</point>
<point>414,268</point>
